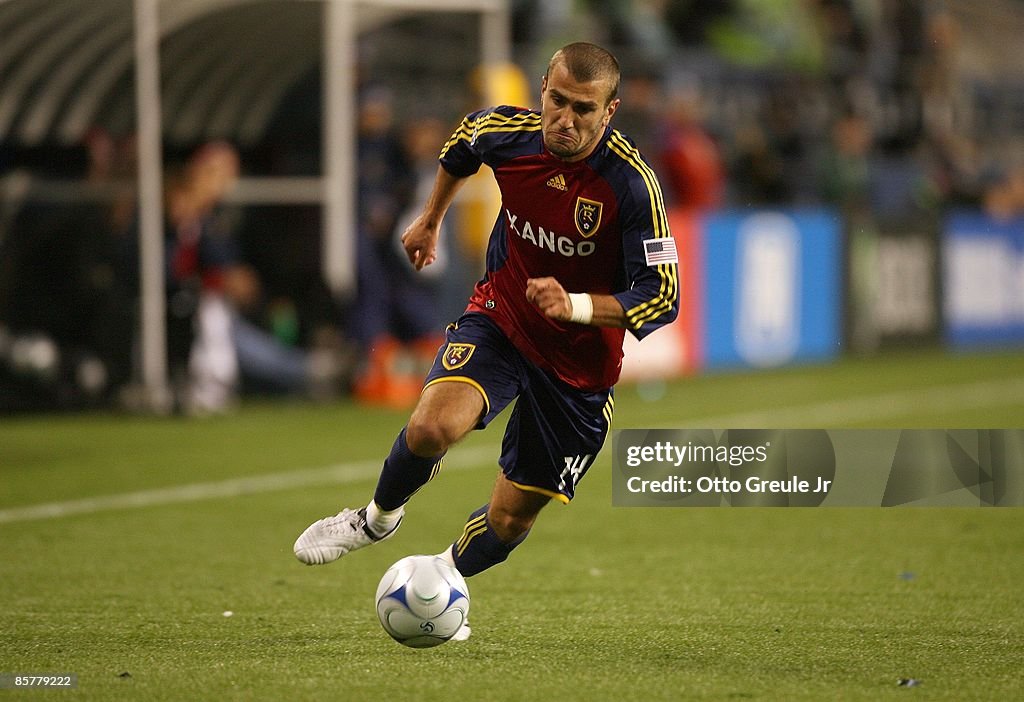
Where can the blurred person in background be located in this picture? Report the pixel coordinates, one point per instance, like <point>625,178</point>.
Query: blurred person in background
<point>211,345</point>
<point>757,171</point>
<point>59,290</point>
<point>691,163</point>
<point>438,293</point>
<point>643,105</point>
<point>845,168</point>
<point>204,279</point>
<point>396,313</point>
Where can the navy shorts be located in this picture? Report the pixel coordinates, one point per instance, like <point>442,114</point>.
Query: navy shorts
<point>555,430</point>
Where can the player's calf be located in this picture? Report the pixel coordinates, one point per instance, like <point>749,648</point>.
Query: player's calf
<point>404,472</point>
<point>480,547</point>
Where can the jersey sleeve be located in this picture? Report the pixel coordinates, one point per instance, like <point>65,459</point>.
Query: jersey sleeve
<point>651,299</point>
<point>486,136</point>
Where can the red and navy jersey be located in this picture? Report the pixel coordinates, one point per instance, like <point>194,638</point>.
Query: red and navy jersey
<point>596,225</point>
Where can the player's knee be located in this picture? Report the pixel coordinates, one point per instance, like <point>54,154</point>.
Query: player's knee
<point>427,436</point>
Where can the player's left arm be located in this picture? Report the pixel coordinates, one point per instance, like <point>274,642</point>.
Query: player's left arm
<point>650,299</point>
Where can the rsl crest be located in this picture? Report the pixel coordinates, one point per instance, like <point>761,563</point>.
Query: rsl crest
<point>588,216</point>
<point>457,355</point>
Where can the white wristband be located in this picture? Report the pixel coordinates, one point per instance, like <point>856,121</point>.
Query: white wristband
<point>582,308</point>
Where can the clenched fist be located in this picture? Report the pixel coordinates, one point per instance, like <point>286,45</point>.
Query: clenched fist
<point>548,295</point>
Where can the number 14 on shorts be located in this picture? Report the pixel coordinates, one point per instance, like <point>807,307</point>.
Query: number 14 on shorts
<point>575,466</point>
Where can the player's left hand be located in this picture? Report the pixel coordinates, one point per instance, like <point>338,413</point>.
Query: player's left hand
<point>548,295</point>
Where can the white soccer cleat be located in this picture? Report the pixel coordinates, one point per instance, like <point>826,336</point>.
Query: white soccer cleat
<point>463,633</point>
<point>330,538</point>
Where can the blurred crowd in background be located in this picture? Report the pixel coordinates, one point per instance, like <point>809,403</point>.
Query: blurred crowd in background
<point>878,108</point>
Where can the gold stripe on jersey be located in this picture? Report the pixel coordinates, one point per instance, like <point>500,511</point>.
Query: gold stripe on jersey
<point>492,122</point>
<point>469,130</point>
<point>668,272</point>
<point>474,527</point>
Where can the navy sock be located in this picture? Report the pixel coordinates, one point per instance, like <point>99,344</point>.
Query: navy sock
<point>479,547</point>
<point>403,474</point>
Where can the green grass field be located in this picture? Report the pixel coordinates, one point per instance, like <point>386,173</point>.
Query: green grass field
<point>123,541</point>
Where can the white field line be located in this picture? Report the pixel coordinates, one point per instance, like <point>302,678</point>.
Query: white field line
<point>870,408</point>
<point>340,474</point>
<point>821,414</point>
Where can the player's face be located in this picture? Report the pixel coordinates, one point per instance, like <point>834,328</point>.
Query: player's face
<point>574,114</point>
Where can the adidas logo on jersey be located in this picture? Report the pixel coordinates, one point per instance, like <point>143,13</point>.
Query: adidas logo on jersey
<point>558,182</point>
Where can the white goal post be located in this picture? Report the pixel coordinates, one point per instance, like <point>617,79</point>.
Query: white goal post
<point>334,189</point>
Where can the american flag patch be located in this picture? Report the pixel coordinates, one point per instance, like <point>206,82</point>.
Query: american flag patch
<point>658,251</point>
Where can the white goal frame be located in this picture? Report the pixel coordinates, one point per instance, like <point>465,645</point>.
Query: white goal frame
<point>334,189</point>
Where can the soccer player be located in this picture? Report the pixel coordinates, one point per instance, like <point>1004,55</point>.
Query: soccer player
<point>580,252</point>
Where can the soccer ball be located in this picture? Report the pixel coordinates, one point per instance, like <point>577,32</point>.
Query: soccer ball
<point>422,601</point>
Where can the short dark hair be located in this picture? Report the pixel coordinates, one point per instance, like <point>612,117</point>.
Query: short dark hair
<point>588,62</point>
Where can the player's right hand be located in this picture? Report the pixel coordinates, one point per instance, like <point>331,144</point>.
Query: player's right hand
<point>420,243</point>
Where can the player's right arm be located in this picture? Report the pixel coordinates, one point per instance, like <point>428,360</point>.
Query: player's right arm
<point>420,238</point>
<point>462,155</point>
